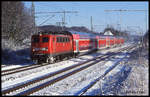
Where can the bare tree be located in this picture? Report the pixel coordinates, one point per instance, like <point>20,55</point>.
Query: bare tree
<point>17,21</point>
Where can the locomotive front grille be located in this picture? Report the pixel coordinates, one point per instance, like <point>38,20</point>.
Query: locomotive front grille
<point>39,56</point>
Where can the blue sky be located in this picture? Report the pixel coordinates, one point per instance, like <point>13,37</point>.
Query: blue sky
<point>136,20</point>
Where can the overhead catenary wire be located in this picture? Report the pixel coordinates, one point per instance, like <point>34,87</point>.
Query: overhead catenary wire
<point>46,20</point>
<point>64,15</point>
<point>124,10</point>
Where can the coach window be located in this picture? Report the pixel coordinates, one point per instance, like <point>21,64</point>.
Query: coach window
<point>61,39</point>
<point>68,39</point>
<point>45,39</point>
<point>57,39</point>
<point>65,39</point>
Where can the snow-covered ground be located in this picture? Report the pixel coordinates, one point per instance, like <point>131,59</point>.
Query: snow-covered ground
<point>129,78</point>
<point>28,75</point>
<point>74,84</point>
<point>15,55</point>
<point>115,82</point>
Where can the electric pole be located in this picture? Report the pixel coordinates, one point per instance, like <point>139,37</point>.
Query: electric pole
<point>122,10</point>
<point>33,17</point>
<point>100,27</point>
<point>141,40</point>
<point>91,24</point>
<point>64,15</point>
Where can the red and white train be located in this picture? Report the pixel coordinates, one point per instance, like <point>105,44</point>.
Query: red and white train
<point>52,46</point>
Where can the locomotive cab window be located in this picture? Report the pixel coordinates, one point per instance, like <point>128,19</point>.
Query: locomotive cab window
<point>35,40</point>
<point>45,39</point>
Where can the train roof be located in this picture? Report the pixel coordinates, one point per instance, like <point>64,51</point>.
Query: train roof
<point>80,33</point>
<point>54,33</point>
<point>83,34</point>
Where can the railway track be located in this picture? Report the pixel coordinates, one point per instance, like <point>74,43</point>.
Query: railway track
<point>3,66</point>
<point>19,69</point>
<point>83,91</point>
<point>43,78</point>
<point>52,78</point>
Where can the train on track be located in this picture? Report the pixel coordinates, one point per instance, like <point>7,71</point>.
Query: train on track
<point>52,46</point>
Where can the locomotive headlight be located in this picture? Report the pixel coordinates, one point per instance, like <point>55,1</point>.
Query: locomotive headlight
<point>35,49</point>
<point>44,49</point>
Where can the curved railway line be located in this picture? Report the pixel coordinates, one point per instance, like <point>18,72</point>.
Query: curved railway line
<point>49,79</point>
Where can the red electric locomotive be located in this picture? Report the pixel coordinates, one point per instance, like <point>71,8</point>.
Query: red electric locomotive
<point>49,46</point>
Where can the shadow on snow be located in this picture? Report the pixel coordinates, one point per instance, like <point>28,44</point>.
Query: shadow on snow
<point>19,57</point>
<point>112,84</point>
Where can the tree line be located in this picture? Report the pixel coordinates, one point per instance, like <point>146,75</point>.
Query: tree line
<point>54,28</point>
<point>17,21</point>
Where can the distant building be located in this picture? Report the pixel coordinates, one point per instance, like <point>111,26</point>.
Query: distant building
<point>108,33</point>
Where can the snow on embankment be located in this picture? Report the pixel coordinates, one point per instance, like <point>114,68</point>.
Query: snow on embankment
<point>131,79</point>
<point>15,55</point>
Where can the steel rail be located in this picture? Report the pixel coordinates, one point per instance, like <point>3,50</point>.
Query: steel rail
<point>20,69</point>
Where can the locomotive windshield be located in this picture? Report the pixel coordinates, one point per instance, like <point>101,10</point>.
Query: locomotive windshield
<point>35,40</point>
